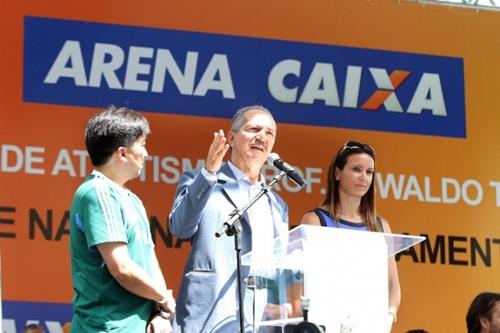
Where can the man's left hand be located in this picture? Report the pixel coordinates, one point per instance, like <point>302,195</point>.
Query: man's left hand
<point>159,325</point>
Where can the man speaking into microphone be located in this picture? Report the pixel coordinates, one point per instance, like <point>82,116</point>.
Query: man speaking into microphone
<point>204,199</point>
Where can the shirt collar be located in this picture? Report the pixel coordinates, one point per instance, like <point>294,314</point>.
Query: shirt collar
<point>241,177</point>
<point>100,175</point>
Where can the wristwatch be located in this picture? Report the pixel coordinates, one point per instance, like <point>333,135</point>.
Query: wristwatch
<point>164,314</point>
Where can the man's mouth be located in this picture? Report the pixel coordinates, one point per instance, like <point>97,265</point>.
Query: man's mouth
<point>255,147</point>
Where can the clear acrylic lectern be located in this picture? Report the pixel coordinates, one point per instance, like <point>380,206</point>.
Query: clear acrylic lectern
<point>342,272</point>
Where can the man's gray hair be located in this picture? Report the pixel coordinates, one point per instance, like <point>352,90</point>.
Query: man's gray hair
<point>239,118</point>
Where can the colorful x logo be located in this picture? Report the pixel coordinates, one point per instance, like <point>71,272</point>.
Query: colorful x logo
<point>386,85</point>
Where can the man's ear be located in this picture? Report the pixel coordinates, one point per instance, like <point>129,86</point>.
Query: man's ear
<point>230,138</point>
<point>121,153</point>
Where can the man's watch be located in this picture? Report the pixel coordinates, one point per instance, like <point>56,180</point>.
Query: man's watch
<point>164,314</point>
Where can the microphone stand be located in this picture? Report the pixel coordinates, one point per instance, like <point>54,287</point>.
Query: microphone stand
<point>232,227</point>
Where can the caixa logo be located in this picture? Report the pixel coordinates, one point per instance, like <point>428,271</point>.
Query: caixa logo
<point>321,85</point>
<point>167,71</point>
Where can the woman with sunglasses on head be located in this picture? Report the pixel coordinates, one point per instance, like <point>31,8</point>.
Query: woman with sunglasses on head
<point>350,204</point>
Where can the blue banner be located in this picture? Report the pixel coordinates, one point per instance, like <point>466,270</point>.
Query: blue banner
<point>51,316</point>
<point>95,65</point>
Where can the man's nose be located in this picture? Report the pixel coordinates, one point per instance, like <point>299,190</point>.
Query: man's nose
<point>261,135</point>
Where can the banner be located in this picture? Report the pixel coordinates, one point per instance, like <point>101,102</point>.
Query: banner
<point>416,82</point>
<point>86,64</point>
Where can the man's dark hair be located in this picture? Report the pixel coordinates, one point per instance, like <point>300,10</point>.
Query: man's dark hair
<point>481,307</point>
<point>111,129</point>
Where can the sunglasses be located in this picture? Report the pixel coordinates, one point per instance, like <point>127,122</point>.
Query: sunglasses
<point>358,145</point>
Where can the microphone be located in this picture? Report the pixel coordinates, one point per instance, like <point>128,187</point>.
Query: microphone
<point>274,160</point>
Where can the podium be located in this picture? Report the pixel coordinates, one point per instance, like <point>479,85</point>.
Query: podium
<point>344,274</point>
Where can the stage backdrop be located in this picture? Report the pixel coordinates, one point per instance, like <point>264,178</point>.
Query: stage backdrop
<point>419,83</point>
